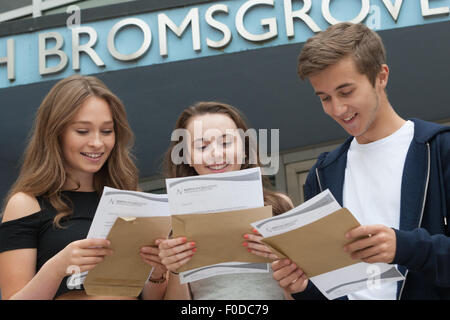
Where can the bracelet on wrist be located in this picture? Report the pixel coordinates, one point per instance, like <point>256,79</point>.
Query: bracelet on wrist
<point>159,280</point>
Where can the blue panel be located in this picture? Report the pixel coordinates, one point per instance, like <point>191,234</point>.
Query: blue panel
<point>130,39</point>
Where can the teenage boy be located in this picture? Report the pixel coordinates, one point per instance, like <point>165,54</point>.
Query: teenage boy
<point>392,174</point>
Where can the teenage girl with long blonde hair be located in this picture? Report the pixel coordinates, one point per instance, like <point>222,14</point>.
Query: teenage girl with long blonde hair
<point>81,142</point>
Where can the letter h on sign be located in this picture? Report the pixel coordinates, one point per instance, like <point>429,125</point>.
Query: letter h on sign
<point>9,59</point>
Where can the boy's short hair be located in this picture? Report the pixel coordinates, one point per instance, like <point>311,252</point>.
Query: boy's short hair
<point>339,41</point>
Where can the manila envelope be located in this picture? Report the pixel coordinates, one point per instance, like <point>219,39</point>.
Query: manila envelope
<point>124,273</point>
<point>318,247</point>
<point>219,236</point>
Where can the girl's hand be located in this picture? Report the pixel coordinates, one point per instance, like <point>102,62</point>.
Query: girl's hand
<point>175,253</point>
<point>150,255</point>
<point>257,247</point>
<point>84,255</point>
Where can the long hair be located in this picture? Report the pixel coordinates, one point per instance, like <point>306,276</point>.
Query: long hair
<point>172,170</point>
<point>42,172</point>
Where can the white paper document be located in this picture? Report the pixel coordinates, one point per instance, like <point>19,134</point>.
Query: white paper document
<point>356,277</point>
<point>314,209</point>
<point>339,282</point>
<point>217,193</point>
<point>116,203</point>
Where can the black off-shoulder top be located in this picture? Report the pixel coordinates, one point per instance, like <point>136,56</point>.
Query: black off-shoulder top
<point>38,231</point>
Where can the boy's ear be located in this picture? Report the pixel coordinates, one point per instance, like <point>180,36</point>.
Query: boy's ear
<point>383,76</point>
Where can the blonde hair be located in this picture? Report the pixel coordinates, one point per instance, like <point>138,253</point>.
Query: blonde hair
<point>42,172</point>
<point>340,41</point>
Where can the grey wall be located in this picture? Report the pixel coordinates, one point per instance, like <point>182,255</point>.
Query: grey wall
<point>7,5</point>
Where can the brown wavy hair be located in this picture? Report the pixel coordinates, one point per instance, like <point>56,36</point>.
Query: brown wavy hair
<point>42,172</point>
<point>171,170</point>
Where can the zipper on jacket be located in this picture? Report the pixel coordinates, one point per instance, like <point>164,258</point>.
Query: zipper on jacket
<point>421,214</point>
<point>318,179</point>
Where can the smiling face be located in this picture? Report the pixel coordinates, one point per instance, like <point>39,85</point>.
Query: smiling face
<point>88,139</point>
<point>215,146</point>
<point>350,99</point>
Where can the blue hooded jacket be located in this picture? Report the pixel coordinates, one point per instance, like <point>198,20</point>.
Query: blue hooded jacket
<point>423,242</point>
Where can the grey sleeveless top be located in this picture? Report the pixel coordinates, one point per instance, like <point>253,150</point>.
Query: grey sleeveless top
<point>241,286</point>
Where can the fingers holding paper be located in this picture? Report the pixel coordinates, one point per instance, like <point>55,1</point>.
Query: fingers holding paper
<point>289,276</point>
<point>255,246</point>
<point>150,255</point>
<point>378,243</point>
<point>175,253</point>
<point>85,253</point>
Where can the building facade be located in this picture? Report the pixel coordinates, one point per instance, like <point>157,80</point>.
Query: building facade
<point>161,56</point>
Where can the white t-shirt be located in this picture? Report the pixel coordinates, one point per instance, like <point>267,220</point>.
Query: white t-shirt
<point>372,189</point>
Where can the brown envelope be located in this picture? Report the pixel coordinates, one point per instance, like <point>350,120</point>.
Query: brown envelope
<point>124,273</point>
<point>219,236</point>
<point>319,246</point>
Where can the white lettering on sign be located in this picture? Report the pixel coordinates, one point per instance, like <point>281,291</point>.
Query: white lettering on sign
<point>58,56</point>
